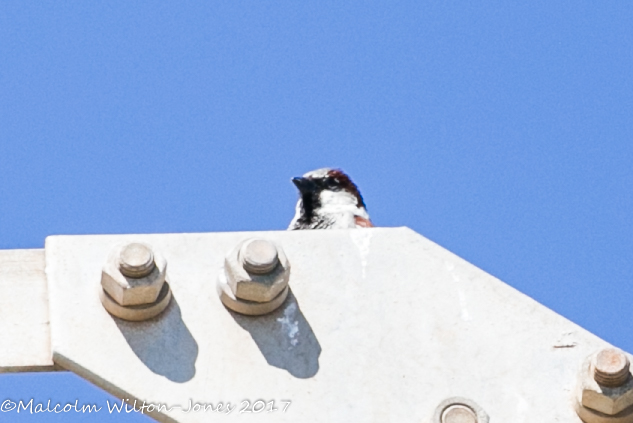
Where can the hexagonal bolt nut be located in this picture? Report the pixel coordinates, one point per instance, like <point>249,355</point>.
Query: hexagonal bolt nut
<point>250,308</point>
<point>612,366</point>
<point>459,410</point>
<point>257,270</point>
<point>137,313</point>
<point>133,274</point>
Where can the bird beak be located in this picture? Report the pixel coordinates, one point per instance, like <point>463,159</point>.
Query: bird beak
<point>304,185</point>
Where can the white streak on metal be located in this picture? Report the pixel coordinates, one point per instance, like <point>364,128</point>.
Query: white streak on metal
<point>464,314</point>
<point>362,240</point>
<point>522,409</point>
<point>462,303</point>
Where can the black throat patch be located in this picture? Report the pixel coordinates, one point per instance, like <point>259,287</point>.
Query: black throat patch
<point>309,203</point>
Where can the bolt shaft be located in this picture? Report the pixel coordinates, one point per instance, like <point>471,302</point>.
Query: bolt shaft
<point>136,260</point>
<point>459,414</point>
<point>612,367</point>
<point>259,256</point>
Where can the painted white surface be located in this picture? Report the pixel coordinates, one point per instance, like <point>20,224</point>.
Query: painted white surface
<point>24,312</point>
<point>381,326</point>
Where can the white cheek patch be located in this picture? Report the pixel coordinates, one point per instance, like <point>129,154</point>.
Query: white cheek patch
<point>341,202</point>
<point>336,198</point>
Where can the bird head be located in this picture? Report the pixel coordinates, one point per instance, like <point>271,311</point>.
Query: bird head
<point>327,191</point>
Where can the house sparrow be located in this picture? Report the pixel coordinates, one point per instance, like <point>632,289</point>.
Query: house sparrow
<point>328,200</point>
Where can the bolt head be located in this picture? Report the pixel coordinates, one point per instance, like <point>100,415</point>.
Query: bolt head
<point>136,260</point>
<point>259,256</point>
<point>254,286</point>
<point>133,290</point>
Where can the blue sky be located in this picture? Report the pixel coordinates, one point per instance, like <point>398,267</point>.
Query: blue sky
<point>503,131</point>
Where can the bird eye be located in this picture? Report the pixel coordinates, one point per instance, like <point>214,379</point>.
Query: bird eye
<point>331,182</point>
